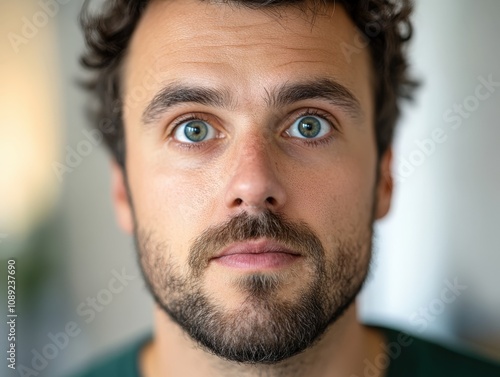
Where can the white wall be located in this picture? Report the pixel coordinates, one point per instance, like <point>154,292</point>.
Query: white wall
<point>445,220</point>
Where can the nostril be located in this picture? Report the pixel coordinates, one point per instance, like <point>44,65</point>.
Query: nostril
<point>271,200</point>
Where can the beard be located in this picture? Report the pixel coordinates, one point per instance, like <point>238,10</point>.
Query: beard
<point>265,328</point>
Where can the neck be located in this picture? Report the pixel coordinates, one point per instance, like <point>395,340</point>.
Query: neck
<point>342,351</point>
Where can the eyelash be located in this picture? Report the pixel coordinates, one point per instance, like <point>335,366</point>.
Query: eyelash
<point>311,143</point>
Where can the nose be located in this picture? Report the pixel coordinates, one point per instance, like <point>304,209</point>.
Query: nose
<point>254,184</point>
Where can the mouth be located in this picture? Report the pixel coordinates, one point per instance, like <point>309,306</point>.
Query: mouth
<point>262,254</point>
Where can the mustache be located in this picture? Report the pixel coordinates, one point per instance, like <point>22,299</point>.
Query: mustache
<point>245,227</point>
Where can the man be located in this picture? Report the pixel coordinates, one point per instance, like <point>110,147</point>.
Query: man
<point>251,147</point>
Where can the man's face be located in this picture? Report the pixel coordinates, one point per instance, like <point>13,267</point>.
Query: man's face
<point>250,125</point>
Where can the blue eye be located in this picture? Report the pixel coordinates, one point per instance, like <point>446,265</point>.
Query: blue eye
<point>308,127</point>
<point>193,131</point>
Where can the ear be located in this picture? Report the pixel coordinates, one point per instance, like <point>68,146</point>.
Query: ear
<point>120,197</point>
<point>385,185</point>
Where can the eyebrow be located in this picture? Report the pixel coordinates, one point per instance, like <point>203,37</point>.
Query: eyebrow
<point>326,89</point>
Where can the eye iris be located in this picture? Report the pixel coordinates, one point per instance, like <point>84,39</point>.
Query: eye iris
<point>309,127</point>
<point>196,130</point>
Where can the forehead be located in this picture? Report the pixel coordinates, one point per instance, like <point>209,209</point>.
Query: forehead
<point>244,49</point>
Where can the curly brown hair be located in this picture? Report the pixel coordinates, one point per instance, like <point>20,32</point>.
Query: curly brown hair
<point>385,25</point>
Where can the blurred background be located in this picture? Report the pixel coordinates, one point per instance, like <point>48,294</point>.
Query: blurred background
<point>57,221</point>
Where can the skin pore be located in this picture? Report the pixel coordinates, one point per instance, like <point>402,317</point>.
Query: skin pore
<point>247,78</point>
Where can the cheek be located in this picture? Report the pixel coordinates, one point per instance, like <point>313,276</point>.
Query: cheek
<point>338,197</point>
<point>173,204</point>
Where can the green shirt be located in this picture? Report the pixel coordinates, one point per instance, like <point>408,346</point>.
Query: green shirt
<point>406,356</point>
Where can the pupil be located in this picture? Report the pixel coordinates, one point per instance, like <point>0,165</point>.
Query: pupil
<point>309,127</point>
<point>196,131</point>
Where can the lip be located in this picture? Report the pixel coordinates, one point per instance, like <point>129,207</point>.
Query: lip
<point>255,247</point>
